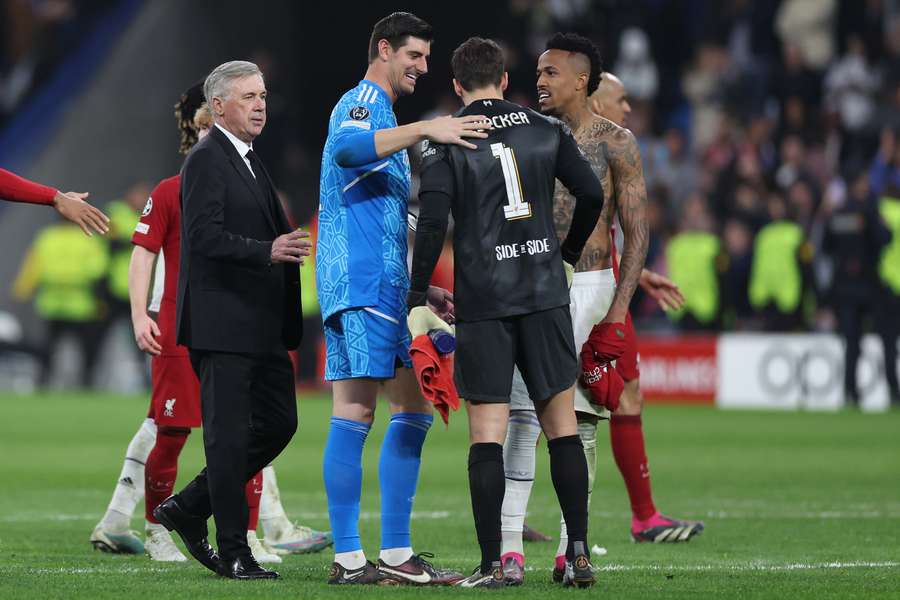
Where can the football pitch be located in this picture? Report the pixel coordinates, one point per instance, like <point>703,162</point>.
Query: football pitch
<point>796,505</point>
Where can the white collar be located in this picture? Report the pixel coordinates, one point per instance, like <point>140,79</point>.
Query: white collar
<point>240,145</point>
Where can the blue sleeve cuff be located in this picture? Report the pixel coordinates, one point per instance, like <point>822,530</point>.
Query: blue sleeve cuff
<point>355,149</point>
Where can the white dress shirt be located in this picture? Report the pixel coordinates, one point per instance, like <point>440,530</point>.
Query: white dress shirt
<point>239,145</point>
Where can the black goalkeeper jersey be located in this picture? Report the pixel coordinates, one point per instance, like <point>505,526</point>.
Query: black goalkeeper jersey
<point>508,260</point>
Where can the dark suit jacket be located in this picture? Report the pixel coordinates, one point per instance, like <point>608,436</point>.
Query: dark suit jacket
<point>230,298</point>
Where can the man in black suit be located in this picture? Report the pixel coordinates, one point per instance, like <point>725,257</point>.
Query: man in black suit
<point>238,313</point>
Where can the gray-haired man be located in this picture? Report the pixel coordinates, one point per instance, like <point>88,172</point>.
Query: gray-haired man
<point>238,313</point>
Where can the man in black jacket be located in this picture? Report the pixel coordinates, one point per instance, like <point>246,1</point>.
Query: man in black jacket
<point>238,312</point>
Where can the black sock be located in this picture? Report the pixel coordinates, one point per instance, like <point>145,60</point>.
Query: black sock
<point>487,485</point>
<point>568,469</point>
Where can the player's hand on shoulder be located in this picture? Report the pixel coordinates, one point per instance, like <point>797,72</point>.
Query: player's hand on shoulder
<point>145,333</point>
<point>600,379</point>
<point>608,340</point>
<point>72,206</point>
<point>454,130</point>
<point>291,247</point>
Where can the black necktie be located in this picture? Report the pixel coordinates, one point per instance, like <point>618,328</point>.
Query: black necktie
<point>258,171</point>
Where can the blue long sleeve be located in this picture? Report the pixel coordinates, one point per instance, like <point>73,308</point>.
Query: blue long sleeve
<point>355,149</point>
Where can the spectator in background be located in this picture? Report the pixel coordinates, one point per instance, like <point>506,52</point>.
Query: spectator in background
<point>63,270</point>
<point>885,168</point>
<point>635,65</point>
<point>737,258</point>
<point>809,24</point>
<point>780,275</point>
<point>693,262</point>
<point>850,87</point>
<point>854,238</point>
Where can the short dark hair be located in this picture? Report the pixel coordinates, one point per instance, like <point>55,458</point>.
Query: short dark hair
<point>572,42</point>
<point>396,28</point>
<point>477,63</point>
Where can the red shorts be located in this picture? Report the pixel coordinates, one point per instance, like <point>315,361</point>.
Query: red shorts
<point>627,364</point>
<point>175,401</point>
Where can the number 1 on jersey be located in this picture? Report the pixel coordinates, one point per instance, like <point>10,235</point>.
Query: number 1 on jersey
<point>517,208</point>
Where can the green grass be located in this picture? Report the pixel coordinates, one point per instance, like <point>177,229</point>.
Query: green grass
<point>796,506</point>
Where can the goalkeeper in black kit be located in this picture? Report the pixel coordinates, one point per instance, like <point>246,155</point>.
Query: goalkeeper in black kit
<point>512,298</point>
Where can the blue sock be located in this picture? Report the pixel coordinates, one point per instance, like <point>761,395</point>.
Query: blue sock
<point>398,470</point>
<point>342,471</point>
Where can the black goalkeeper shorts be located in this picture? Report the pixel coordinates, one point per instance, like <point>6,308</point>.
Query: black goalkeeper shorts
<point>541,344</point>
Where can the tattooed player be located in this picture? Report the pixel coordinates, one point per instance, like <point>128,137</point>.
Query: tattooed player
<point>568,73</point>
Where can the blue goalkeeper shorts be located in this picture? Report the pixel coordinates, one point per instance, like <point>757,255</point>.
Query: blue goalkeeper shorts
<point>371,341</point>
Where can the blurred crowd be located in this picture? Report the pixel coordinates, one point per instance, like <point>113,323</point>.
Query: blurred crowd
<point>769,130</point>
<point>765,127</point>
<point>35,37</point>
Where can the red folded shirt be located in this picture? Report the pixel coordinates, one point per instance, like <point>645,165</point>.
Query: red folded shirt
<point>435,375</point>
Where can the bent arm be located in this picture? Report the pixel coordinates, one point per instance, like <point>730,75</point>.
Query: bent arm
<point>203,206</point>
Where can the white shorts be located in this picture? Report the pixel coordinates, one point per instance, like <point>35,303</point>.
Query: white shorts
<point>589,301</point>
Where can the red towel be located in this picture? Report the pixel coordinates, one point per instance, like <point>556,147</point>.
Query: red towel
<point>435,375</point>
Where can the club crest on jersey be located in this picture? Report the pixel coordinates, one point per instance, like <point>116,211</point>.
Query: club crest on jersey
<point>170,408</point>
<point>359,113</point>
<point>147,207</point>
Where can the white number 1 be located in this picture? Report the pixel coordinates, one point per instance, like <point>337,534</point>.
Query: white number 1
<point>517,208</point>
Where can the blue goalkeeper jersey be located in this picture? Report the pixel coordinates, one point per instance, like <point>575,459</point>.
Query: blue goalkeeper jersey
<point>362,210</point>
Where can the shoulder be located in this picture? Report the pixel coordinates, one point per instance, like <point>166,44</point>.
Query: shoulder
<point>206,152</point>
<point>433,153</point>
<point>537,118</point>
<point>604,130</point>
<point>165,192</point>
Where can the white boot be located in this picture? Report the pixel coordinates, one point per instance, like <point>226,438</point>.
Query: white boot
<point>259,551</point>
<point>159,545</point>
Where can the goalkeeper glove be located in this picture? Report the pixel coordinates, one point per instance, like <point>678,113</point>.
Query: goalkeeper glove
<point>570,273</point>
<point>421,320</point>
<point>601,380</point>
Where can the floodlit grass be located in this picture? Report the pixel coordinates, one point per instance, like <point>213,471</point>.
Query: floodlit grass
<point>796,505</point>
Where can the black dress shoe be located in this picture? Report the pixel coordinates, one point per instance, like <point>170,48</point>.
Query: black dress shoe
<point>192,531</point>
<point>244,567</point>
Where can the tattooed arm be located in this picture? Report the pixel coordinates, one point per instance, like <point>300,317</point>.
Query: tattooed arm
<point>631,199</point>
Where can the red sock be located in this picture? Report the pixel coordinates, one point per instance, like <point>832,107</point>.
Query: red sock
<point>254,495</point>
<point>627,437</point>
<point>161,468</point>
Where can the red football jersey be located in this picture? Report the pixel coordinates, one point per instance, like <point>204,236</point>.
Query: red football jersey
<point>160,229</point>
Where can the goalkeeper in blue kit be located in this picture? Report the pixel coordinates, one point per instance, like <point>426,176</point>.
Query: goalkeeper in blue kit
<point>363,281</point>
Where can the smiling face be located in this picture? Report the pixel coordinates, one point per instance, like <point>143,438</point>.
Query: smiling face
<point>561,80</point>
<point>243,110</point>
<point>406,64</point>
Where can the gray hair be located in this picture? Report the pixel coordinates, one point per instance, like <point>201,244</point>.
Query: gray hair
<point>218,83</point>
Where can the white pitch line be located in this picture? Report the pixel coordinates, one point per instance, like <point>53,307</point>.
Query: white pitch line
<point>888,564</point>
<point>745,567</point>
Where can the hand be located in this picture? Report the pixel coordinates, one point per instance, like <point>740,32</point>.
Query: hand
<point>570,273</point>
<point>608,341</point>
<point>452,130</point>
<point>422,319</point>
<point>440,301</point>
<point>72,206</point>
<point>601,380</point>
<point>145,333</point>
<point>291,247</point>
<point>662,289</point>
